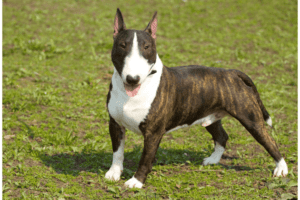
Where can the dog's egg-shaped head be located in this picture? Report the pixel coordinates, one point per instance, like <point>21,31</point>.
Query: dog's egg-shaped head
<point>134,51</point>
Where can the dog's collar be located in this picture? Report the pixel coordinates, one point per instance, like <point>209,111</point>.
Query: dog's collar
<point>153,71</point>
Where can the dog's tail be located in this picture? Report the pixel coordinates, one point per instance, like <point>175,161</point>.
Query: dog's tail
<point>246,79</point>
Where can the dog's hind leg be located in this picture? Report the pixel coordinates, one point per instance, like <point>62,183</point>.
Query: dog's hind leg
<point>220,137</point>
<point>117,134</point>
<point>253,121</point>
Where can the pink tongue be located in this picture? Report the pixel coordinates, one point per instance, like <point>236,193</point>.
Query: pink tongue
<point>132,90</point>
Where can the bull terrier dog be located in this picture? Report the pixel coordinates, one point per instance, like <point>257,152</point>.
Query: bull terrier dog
<point>151,99</point>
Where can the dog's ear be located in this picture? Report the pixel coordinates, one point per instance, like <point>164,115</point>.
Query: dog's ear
<point>152,26</point>
<point>119,23</point>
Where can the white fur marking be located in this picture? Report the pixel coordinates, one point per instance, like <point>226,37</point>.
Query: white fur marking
<point>215,157</point>
<point>115,171</point>
<point>133,183</point>
<point>206,121</point>
<point>269,121</point>
<point>131,111</point>
<point>135,64</point>
<point>281,168</point>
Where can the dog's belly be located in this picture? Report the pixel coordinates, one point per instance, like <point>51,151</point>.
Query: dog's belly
<point>205,121</point>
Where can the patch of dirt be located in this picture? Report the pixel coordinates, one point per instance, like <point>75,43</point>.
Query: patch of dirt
<point>130,163</point>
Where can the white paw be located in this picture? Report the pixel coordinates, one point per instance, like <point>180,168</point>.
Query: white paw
<point>114,173</point>
<point>133,183</point>
<point>281,168</point>
<point>215,157</point>
<point>211,160</point>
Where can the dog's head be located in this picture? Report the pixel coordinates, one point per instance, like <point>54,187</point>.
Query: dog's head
<point>134,52</point>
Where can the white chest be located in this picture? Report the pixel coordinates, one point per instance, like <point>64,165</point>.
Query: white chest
<point>127,112</point>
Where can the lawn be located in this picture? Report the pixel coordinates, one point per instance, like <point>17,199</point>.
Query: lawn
<point>56,74</point>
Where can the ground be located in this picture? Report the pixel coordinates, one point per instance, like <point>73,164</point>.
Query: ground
<point>56,74</point>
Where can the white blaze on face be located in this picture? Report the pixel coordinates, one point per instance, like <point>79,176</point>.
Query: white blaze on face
<point>135,64</point>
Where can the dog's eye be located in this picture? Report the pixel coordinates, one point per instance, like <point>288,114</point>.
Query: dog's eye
<point>146,46</point>
<point>123,45</point>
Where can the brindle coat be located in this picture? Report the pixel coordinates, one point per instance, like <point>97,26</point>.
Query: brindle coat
<point>200,93</point>
<point>188,93</point>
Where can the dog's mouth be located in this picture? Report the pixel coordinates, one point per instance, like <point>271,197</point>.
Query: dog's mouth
<point>132,90</point>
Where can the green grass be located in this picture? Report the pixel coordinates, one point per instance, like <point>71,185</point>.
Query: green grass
<point>56,73</point>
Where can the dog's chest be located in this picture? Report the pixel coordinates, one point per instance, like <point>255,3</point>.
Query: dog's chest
<point>130,111</point>
<point>127,112</point>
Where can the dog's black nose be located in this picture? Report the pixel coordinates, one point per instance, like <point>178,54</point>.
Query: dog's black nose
<point>132,80</point>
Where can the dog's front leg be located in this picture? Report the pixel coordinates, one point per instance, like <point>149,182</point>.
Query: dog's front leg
<point>117,134</point>
<point>151,143</point>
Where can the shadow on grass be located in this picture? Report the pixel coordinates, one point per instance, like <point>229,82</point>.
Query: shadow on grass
<point>74,163</point>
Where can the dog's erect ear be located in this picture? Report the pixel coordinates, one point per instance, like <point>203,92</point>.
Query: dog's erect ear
<point>119,23</point>
<point>152,26</point>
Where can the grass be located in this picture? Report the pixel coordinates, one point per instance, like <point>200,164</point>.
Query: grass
<point>56,73</point>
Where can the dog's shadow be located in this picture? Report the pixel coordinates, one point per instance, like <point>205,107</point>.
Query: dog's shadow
<point>100,162</point>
